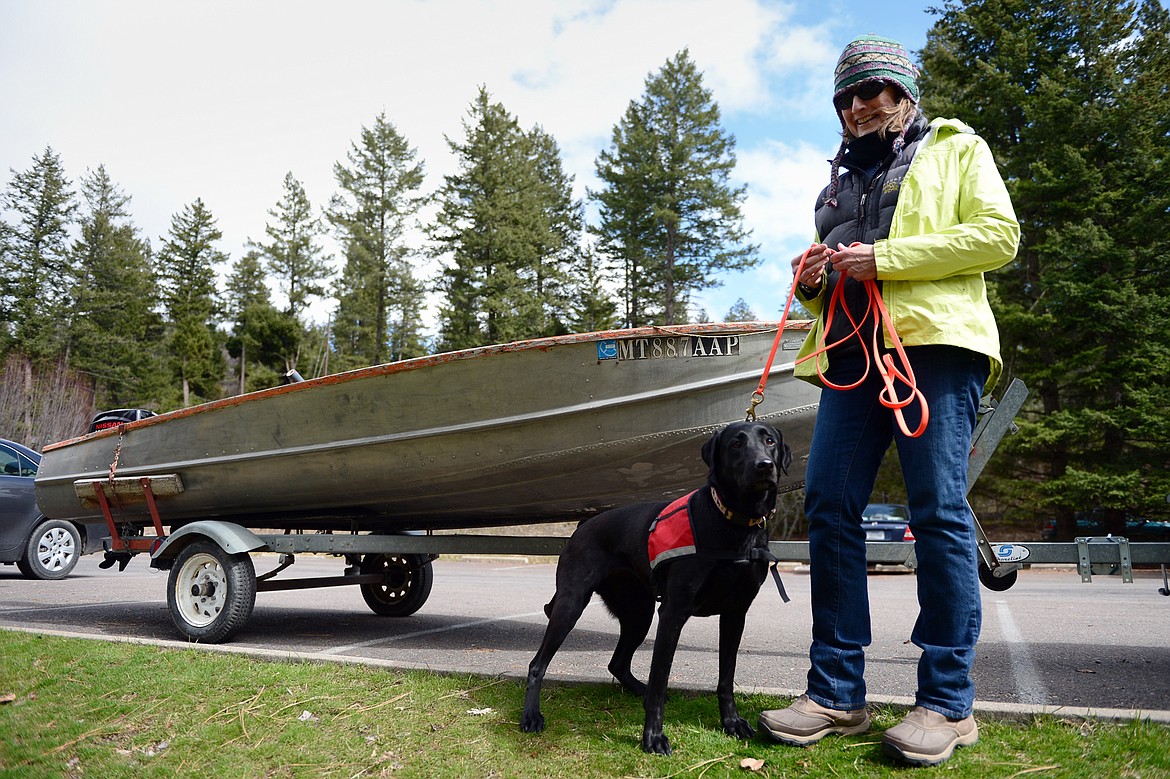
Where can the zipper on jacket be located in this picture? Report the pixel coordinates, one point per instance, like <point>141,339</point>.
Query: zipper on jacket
<point>879,174</point>
<point>862,207</point>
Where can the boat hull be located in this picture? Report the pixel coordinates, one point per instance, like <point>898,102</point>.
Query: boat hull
<point>538,431</point>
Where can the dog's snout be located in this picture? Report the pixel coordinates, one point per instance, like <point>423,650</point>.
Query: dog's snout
<point>765,465</point>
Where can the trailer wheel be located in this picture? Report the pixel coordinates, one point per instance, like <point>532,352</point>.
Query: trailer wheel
<point>996,583</point>
<point>405,587</point>
<point>210,592</point>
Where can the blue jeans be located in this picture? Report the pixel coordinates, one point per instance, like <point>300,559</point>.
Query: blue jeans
<point>853,431</point>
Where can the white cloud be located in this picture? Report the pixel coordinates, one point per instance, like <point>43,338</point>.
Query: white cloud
<point>218,100</point>
<point>783,181</point>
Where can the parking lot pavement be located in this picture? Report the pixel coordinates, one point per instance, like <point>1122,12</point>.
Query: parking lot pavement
<point>1049,643</point>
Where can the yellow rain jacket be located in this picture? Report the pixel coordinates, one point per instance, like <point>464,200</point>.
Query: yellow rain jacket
<point>953,222</point>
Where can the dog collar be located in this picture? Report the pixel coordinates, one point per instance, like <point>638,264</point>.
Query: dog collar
<point>734,518</point>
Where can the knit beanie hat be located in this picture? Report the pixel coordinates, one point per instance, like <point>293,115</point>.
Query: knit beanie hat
<point>871,58</point>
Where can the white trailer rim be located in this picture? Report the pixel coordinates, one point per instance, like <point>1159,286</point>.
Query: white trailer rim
<point>201,590</point>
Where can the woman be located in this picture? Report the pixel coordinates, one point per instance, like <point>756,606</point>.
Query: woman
<point>921,208</point>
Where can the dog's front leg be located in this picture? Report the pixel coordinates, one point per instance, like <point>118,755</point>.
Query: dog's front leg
<point>670,625</point>
<point>730,634</point>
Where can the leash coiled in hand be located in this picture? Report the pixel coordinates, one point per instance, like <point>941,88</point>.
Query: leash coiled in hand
<point>887,368</point>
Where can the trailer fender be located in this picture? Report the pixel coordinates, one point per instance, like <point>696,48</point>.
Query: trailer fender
<point>232,538</point>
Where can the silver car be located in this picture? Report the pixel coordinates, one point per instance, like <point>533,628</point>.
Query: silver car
<point>41,548</point>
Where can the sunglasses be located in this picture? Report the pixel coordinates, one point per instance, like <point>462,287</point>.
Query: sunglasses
<point>867,91</point>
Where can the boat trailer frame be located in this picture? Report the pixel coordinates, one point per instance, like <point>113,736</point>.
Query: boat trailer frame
<point>212,587</point>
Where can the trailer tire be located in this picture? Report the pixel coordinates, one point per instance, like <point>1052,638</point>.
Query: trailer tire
<point>406,584</point>
<point>210,593</point>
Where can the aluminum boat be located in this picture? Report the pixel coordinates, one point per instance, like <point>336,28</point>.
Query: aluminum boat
<point>544,430</point>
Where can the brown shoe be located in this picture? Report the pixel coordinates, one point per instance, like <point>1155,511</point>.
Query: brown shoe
<point>805,722</point>
<point>925,737</point>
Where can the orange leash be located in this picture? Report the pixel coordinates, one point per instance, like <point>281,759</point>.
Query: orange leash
<point>758,395</point>
<point>885,364</point>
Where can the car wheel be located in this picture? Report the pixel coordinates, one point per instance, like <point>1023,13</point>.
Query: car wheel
<point>52,550</point>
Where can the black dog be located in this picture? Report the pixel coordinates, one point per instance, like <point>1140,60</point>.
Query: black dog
<point>610,555</point>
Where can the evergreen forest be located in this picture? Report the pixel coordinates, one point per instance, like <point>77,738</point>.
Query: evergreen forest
<point>1073,99</point>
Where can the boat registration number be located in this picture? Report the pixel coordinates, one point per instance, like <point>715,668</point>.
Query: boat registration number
<point>668,347</point>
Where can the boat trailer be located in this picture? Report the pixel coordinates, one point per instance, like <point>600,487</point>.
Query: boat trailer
<point>212,584</point>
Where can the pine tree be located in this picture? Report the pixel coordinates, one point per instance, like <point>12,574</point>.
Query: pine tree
<point>553,281</point>
<point>509,229</point>
<point>246,285</point>
<point>187,278</point>
<point>593,308</point>
<point>1072,99</point>
<point>293,252</point>
<point>740,311</point>
<point>116,332</point>
<point>668,210</point>
<point>485,227</point>
<point>264,340</point>
<point>380,299</point>
<point>37,272</point>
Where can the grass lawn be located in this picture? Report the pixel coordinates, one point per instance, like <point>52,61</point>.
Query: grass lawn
<point>85,708</point>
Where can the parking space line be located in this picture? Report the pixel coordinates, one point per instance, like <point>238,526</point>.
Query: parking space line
<point>444,629</point>
<point>71,606</point>
<point>417,633</point>
<point>1024,671</point>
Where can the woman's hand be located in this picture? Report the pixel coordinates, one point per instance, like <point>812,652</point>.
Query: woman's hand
<point>856,261</point>
<point>814,265</point>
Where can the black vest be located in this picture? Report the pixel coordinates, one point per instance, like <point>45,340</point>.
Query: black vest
<point>864,212</point>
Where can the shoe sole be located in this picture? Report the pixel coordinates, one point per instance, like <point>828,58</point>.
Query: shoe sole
<point>807,741</point>
<point>917,759</point>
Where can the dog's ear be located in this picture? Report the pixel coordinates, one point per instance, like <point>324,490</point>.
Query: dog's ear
<point>785,451</point>
<point>709,449</point>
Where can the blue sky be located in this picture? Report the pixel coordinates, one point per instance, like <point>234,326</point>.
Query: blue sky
<point>218,100</point>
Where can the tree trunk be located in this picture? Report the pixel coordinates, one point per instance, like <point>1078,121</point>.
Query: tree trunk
<point>26,394</point>
<point>671,233</point>
<point>243,363</point>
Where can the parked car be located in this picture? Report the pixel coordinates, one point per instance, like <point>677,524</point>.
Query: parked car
<point>886,522</point>
<point>1092,523</point>
<point>41,548</point>
<point>103,420</point>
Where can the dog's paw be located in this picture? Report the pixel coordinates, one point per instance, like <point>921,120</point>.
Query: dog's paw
<point>739,728</point>
<point>532,722</point>
<point>655,743</point>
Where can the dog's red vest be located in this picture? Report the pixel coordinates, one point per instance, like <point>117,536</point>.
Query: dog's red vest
<point>671,535</point>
